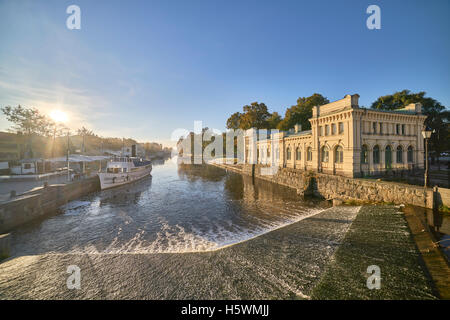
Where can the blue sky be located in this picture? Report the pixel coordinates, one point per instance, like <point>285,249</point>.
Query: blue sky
<point>144,68</point>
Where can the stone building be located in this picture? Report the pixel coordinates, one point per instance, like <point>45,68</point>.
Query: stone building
<point>345,140</point>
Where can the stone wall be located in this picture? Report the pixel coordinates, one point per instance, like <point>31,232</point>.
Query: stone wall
<point>345,188</point>
<point>330,187</point>
<point>5,243</point>
<point>42,201</point>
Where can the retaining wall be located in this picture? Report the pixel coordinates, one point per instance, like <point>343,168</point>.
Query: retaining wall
<point>42,201</point>
<point>345,188</point>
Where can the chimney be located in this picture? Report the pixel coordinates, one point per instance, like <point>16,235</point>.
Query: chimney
<point>297,128</point>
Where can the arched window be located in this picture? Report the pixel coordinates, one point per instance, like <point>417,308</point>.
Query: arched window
<point>364,154</point>
<point>288,153</point>
<point>324,154</point>
<point>309,154</point>
<point>338,154</point>
<point>376,155</point>
<point>410,154</point>
<point>298,154</point>
<point>399,154</point>
<point>388,157</point>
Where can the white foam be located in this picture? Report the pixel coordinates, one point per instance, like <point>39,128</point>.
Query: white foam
<point>175,239</point>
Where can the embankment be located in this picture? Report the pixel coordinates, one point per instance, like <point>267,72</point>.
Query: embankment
<point>344,188</point>
<point>42,201</point>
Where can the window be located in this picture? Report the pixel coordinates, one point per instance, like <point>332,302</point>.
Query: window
<point>298,154</point>
<point>257,155</point>
<point>341,127</point>
<point>364,154</point>
<point>333,128</point>
<point>268,152</point>
<point>388,157</point>
<point>374,125</point>
<point>27,166</point>
<point>309,154</point>
<point>376,155</point>
<point>381,128</point>
<point>324,154</point>
<point>399,154</point>
<point>320,131</point>
<point>288,153</point>
<point>397,128</point>
<point>339,154</point>
<point>327,130</point>
<point>410,154</point>
<point>403,129</point>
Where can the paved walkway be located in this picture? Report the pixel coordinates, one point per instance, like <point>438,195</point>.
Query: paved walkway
<point>23,186</point>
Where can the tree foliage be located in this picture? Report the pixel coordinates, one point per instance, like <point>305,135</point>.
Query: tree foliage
<point>27,121</point>
<point>437,120</point>
<point>301,112</point>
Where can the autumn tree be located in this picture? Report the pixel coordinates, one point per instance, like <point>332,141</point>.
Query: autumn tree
<point>255,115</point>
<point>301,112</point>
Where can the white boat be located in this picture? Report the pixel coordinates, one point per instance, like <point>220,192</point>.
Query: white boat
<point>123,170</point>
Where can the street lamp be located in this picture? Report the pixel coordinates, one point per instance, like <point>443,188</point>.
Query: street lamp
<point>426,133</point>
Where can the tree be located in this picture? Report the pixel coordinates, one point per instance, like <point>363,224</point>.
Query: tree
<point>274,120</point>
<point>437,120</point>
<point>234,121</point>
<point>29,122</point>
<point>85,132</point>
<point>255,115</point>
<point>301,112</point>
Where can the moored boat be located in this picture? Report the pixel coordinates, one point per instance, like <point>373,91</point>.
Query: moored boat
<point>123,170</point>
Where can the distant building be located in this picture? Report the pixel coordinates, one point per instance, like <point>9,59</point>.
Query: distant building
<point>345,140</point>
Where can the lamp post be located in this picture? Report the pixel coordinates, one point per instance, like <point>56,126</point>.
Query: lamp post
<point>426,133</point>
<point>68,160</point>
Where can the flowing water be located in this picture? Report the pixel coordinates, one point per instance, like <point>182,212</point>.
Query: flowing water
<point>188,209</point>
<point>185,232</point>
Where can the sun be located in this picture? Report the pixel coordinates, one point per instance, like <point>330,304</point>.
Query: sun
<point>58,116</point>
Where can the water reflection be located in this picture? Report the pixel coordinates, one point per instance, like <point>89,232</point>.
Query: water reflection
<point>439,226</point>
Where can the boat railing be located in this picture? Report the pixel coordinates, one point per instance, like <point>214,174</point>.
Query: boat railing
<point>120,159</point>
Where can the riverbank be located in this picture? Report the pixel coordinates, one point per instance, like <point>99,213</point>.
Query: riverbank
<point>42,201</point>
<point>330,186</point>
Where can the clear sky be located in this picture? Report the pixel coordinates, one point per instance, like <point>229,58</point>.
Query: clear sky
<point>144,68</point>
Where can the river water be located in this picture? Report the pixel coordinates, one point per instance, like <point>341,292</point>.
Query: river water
<point>185,232</point>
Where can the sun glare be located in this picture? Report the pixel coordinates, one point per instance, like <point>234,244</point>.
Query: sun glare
<point>58,116</point>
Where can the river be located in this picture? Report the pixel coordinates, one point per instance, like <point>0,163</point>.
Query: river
<point>186,232</point>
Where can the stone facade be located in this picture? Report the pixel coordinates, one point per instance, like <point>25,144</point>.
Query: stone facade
<point>344,140</point>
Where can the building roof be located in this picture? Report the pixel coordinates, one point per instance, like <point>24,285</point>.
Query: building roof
<point>301,133</point>
<point>397,111</point>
